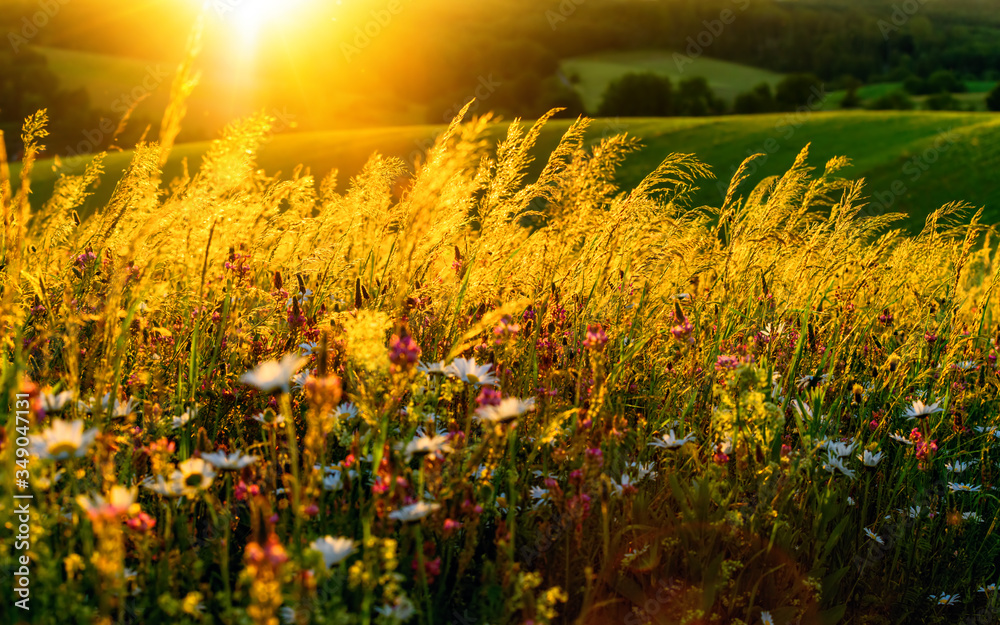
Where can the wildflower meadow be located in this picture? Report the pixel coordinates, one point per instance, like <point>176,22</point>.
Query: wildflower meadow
<point>492,398</point>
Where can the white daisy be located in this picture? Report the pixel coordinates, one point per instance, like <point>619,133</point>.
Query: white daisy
<point>118,410</point>
<point>539,495</point>
<point>625,483</point>
<point>273,375</point>
<point>303,299</point>
<point>874,536</point>
<point>118,501</point>
<point>427,445</point>
<point>510,408</point>
<point>299,379</point>
<point>63,439</point>
<point>900,438</point>
<point>57,402</point>
<point>841,449</point>
<point>167,487</point>
<point>919,410</point>
<point>287,615</point>
<point>346,410</point>
<point>643,470</point>
<point>870,459</point>
<point>725,446</point>
<point>834,463</point>
<point>670,441</point>
<point>268,417</point>
<point>945,599</point>
<point>773,331</point>
<point>334,550</point>
<point>229,462</point>
<point>401,610</point>
<point>959,487</point>
<point>807,382</point>
<point>959,466</point>
<point>195,474</point>
<point>483,473</point>
<point>914,511</point>
<point>432,367</point>
<point>469,372</point>
<point>333,481</point>
<point>179,422</point>
<point>414,512</point>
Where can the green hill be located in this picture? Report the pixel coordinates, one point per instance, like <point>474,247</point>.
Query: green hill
<point>108,79</point>
<point>913,162</point>
<point>115,83</point>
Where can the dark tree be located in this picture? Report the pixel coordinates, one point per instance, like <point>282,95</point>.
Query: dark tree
<point>29,85</point>
<point>915,85</point>
<point>799,90</point>
<point>851,99</point>
<point>942,102</point>
<point>993,99</point>
<point>897,100</point>
<point>943,81</point>
<point>760,99</point>
<point>638,95</point>
<point>695,98</point>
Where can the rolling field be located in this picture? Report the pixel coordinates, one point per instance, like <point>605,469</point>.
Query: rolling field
<point>913,162</point>
<point>596,71</point>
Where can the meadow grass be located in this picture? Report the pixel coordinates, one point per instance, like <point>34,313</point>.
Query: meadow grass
<point>495,398</point>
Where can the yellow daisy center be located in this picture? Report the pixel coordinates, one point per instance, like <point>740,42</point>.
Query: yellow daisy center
<point>62,447</point>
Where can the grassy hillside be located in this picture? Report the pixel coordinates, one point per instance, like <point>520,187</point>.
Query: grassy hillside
<point>596,71</point>
<point>894,152</point>
<point>115,83</point>
<point>106,78</point>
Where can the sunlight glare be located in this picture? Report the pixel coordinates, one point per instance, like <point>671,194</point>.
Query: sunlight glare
<point>249,19</point>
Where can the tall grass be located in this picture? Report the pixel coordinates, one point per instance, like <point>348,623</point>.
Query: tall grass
<point>667,427</point>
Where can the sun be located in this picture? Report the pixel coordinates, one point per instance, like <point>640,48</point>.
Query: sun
<point>249,20</point>
<point>251,16</point>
